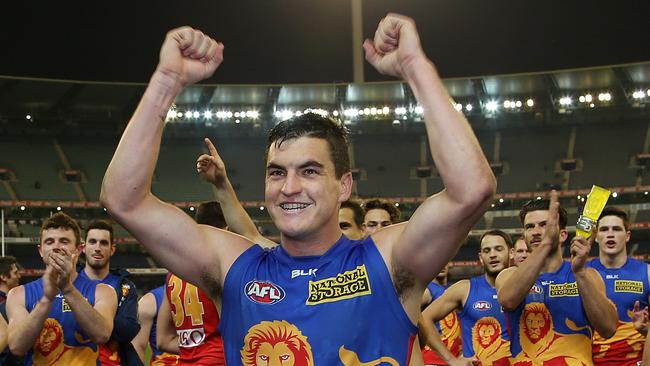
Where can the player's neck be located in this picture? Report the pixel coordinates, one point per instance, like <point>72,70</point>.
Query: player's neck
<point>314,245</point>
<point>441,281</point>
<point>491,279</point>
<point>553,261</point>
<point>96,274</point>
<point>613,261</point>
<point>4,288</point>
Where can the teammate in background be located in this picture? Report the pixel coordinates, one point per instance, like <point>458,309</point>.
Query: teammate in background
<point>552,305</point>
<point>212,168</point>
<point>308,176</point>
<point>627,285</point>
<point>60,318</point>
<point>99,247</point>
<point>379,214</point>
<point>351,216</point>
<point>448,328</point>
<point>519,252</point>
<point>9,278</point>
<point>482,321</point>
<point>148,310</point>
<point>188,321</point>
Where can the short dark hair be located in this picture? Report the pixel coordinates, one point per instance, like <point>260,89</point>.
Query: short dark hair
<point>615,211</point>
<point>6,264</point>
<point>210,213</point>
<point>62,221</point>
<point>316,126</point>
<point>358,212</point>
<point>101,225</point>
<point>541,205</point>
<point>380,204</point>
<point>506,237</point>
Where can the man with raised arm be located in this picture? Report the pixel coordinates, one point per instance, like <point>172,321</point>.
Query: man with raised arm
<point>343,286</point>
<point>552,306</point>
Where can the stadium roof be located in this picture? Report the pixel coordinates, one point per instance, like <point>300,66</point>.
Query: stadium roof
<point>297,41</point>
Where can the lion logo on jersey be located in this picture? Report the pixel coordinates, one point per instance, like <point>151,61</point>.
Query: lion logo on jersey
<point>50,348</point>
<point>540,341</point>
<point>276,343</point>
<point>487,342</point>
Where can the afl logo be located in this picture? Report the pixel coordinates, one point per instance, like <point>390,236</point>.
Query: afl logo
<point>482,305</point>
<point>536,290</point>
<point>264,292</point>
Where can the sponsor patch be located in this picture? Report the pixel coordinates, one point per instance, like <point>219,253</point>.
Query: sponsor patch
<point>189,338</point>
<point>343,286</point>
<point>628,286</point>
<point>563,289</point>
<point>65,308</point>
<point>264,292</point>
<point>482,305</point>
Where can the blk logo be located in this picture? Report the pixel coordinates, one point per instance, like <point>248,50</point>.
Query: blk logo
<point>303,272</point>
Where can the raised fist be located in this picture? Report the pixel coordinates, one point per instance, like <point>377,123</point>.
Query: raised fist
<point>396,44</point>
<point>189,55</point>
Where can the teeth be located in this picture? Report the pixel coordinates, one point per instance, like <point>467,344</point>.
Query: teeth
<point>293,206</point>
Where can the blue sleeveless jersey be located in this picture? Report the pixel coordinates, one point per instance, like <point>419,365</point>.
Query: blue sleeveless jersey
<point>340,308</point>
<point>61,341</point>
<point>550,326</point>
<point>448,327</point>
<point>624,286</point>
<point>158,293</point>
<point>483,325</point>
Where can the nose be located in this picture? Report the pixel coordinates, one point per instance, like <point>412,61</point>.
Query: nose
<point>291,184</point>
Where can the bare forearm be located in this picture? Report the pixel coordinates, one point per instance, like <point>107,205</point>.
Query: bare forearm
<point>450,136</point>
<point>129,175</point>
<point>432,340</point>
<point>600,311</point>
<point>92,322</point>
<point>519,282</point>
<point>236,217</point>
<point>22,336</point>
<point>168,343</point>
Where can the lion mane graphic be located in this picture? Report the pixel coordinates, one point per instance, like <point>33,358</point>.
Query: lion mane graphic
<point>276,343</point>
<point>350,358</point>
<point>50,348</point>
<point>540,342</point>
<point>489,348</point>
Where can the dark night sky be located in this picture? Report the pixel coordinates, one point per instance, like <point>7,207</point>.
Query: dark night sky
<point>309,41</point>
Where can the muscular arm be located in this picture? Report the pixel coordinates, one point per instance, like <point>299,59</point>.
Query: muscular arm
<point>452,299</point>
<point>199,254</point>
<point>514,283</point>
<point>24,327</point>
<point>96,321</point>
<point>146,315</point>
<point>436,229</point>
<point>166,335</point>
<point>600,311</point>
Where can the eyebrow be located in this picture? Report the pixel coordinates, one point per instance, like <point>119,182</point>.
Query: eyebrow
<point>307,164</point>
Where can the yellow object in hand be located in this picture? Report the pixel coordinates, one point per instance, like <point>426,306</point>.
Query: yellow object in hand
<point>596,201</point>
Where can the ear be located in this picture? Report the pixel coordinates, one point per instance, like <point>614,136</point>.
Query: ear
<point>113,247</point>
<point>564,234</point>
<point>512,253</point>
<point>627,236</point>
<point>40,250</point>
<point>346,187</point>
<point>480,259</point>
